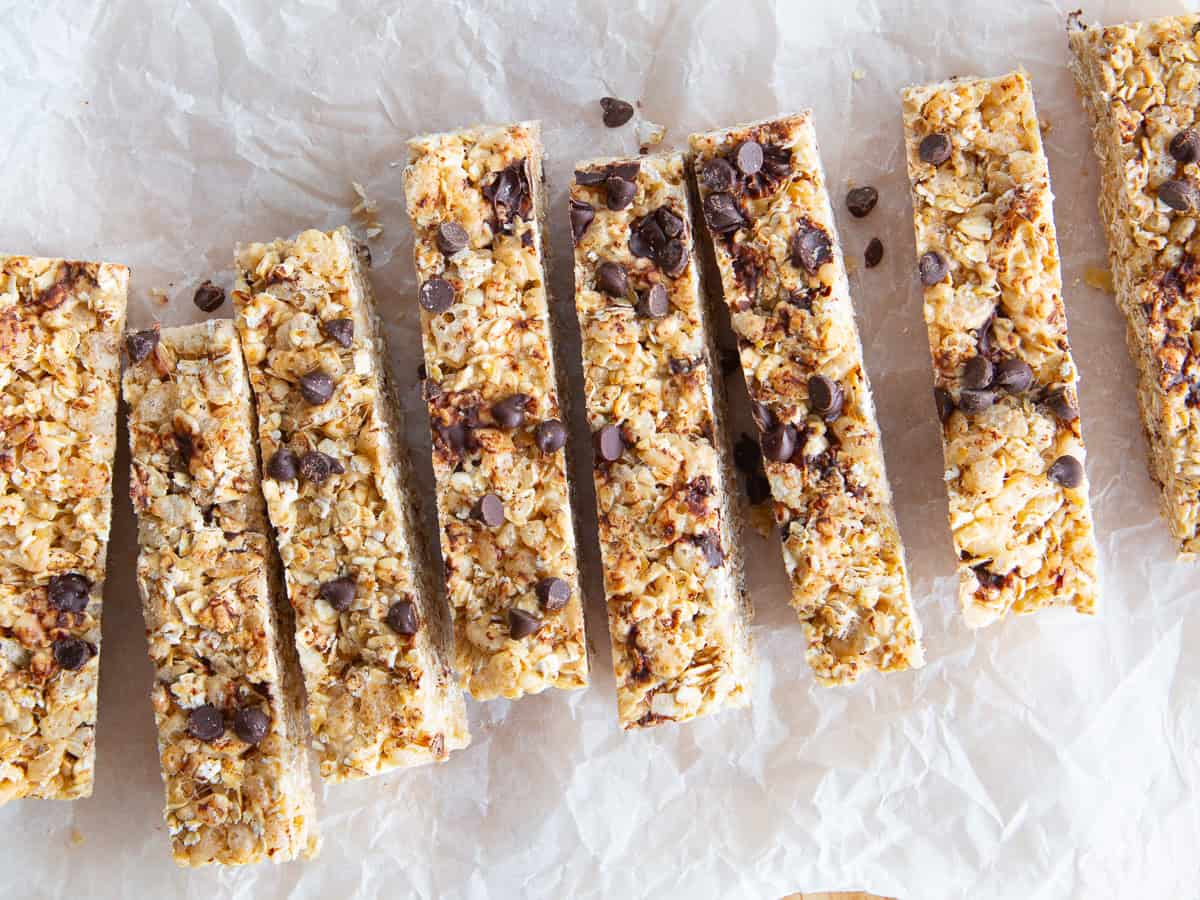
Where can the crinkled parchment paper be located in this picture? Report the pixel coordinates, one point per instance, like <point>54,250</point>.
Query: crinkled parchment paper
<point>1036,759</point>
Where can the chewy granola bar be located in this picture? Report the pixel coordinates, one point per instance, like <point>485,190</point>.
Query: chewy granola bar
<point>1141,85</point>
<point>373,637</point>
<point>476,200</point>
<point>1003,374</point>
<point>227,695</point>
<point>678,617</point>
<point>60,327</point>
<point>766,207</point>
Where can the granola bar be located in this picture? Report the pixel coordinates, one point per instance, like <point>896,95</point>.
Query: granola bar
<point>60,327</point>
<point>678,616</point>
<point>1139,85</point>
<point>373,637</point>
<point>1003,374</point>
<point>227,695</point>
<point>767,211</point>
<point>476,200</point>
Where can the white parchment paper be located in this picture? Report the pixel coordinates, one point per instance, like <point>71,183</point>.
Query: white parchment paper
<point>1036,759</point>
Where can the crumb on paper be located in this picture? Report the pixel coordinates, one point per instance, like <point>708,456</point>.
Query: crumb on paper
<point>650,135</point>
<point>851,265</point>
<point>1100,278</point>
<point>159,296</point>
<point>858,74</point>
<point>365,212</point>
<point>1046,125</point>
<point>76,837</point>
<point>762,519</point>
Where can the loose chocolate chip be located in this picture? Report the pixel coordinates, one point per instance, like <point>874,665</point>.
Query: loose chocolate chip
<point>510,412</point>
<point>873,255</point>
<point>611,279</point>
<point>316,387</point>
<point>315,466</point>
<point>340,592</point>
<point>436,295</point>
<point>935,149</point>
<point>811,248</point>
<point>552,593</point>
<point>71,653</point>
<point>251,724</point>
<point>451,238</point>
<point>670,223</point>
<point>581,217</point>
<point>402,617</point>
<point>861,201</point>
<point>1181,196</point>
<point>209,296</point>
<point>1014,375</point>
<point>975,401</point>
<point>141,344</point>
<point>748,157</point>
<point>825,396</point>
<point>763,417</point>
<point>550,436</point>
<point>618,192</point>
<point>1185,146</point>
<point>205,723</point>
<point>673,258</point>
<point>1061,406</point>
<point>978,373</point>
<point>746,454</point>
<point>945,403</point>
<point>932,268</point>
<point>283,465</point>
<point>1067,471</point>
<point>616,112</point>
<point>779,443</point>
<point>681,365</point>
<point>721,213</point>
<point>609,443</point>
<point>340,331</point>
<point>758,488</point>
<point>654,302</point>
<point>69,592</point>
<point>522,624</point>
<point>489,509</point>
<point>718,175</point>
<point>710,548</point>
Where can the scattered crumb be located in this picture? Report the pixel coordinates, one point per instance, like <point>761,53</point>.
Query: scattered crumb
<point>1045,124</point>
<point>76,837</point>
<point>650,135</point>
<point>858,74</point>
<point>159,296</point>
<point>365,212</point>
<point>762,519</point>
<point>851,265</point>
<point>1100,278</point>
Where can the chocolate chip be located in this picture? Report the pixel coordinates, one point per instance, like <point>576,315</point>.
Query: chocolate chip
<point>987,578</point>
<point>748,157</point>
<point>69,592</point>
<point>436,295</point>
<point>209,297</point>
<point>861,201</point>
<point>611,279</point>
<point>489,509</point>
<point>510,412</point>
<point>251,724</point>
<point>185,445</point>
<point>873,255</point>
<point>935,149</point>
<point>340,331</point>
<point>945,403</point>
<point>709,545</point>
<point>454,436</point>
<point>71,653</point>
<point>1181,196</point>
<point>316,466</point>
<point>681,365</point>
<point>402,617</point>
<point>811,248</point>
<point>654,303</point>
<point>340,592</point>
<point>758,488</point>
<point>1067,471</point>
<point>141,344</point>
<point>1061,406</point>
<point>1185,146</point>
<point>1014,375</point>
<point>779,443</point>
<point>975,401</point>
<point>451,238</point>
<point>978,373</point>
<point>717,175</point>
<point>609,443</point>
<point>670,223</point>
<point>522,624</point>
<point>673,258</point>
<point>932,268</point>
<point>550,436</point>
<point>618,192</point>
<point>283,465</point>
<point>721,213</point>
<point>552,593</point>
<point>205,723</point>
<point>581,217</point>
<point>316,387</point>
<point>616,112</point>
<point>763,417</point>
<point>825,396</point>
<point>627,170</point>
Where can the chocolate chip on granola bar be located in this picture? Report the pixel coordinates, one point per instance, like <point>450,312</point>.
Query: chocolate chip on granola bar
<point>610,444</point>
<point>653,303</point>
<point>1060,404</point>
<point>489,509</point>
<point>779,443</point>
<point>251,724</point>
<point>673,258</point>
<point>935,149</point>
<point>810,248</point>
<point>68,592</point>
<point>205,723</point>
<point>1014,375</point>
<point>316,387</point>
<point>1067,471</point>
<point>978,373</point>
<point>717,174</point>
<point>522,624</point>
<point>436,295</point>
<point>873,255</point>
<point>618,192</point>
<point>932,268</point>
<point>669,221</point>
<point>616,112</point>
<point>552,593</point>
<point>451,238</point>
<point>283,465</point>
<point>709,545</point>
<point>209,297</point>
<point>721,213</point>
<point>581,217</point>
<point>339,592</point>
<point>861,200</point>
<point>825,396</point>
<point>141,344</point>
<point>611,279</point>
<point>681,365</point>
<point>1185,146</point>
<point>1181,196</point>
<point>510,412</point>
<point>945,403</point>
<point>973,401</point>
<point>185,445</point>
<point>315,466</point>
<point>402,617</point>
<point>550,436</point>
<point>748,157</point>
<point>340,331</point>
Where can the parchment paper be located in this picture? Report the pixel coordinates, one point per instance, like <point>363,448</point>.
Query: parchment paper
<point>1035,759</point>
